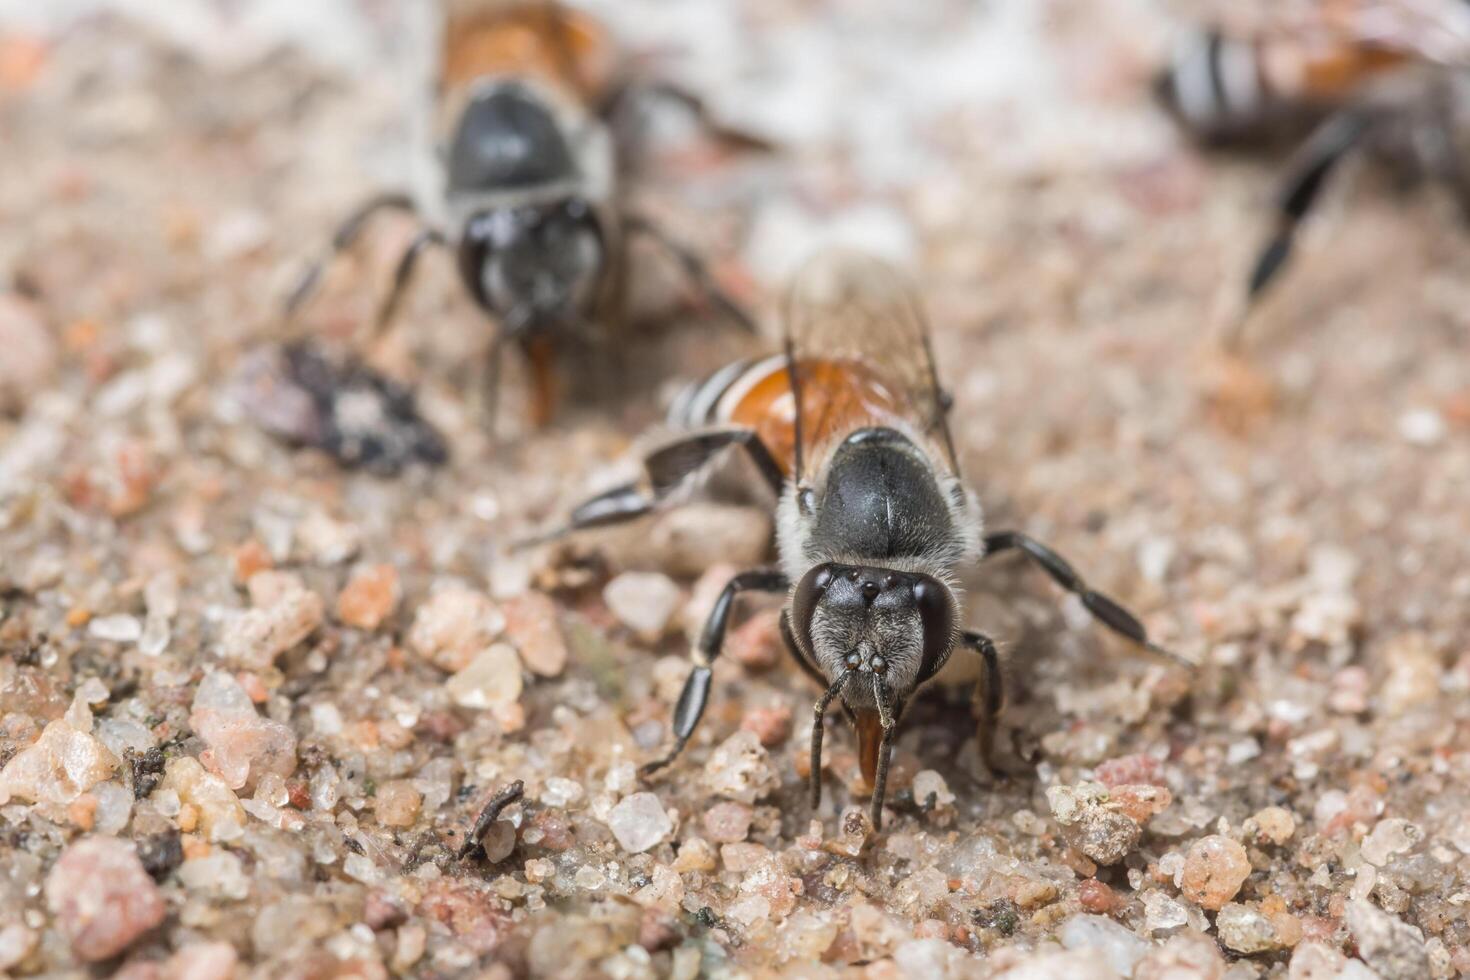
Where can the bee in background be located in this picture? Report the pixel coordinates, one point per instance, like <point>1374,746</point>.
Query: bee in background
<point>1388,77</point>
<point>531,200</point>
<point>874,521</point>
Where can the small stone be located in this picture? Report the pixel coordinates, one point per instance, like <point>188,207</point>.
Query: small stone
<point>531,626</point>
<point>102,898</point>
<point>16,943</point>
<point>202,961</point>
<point>1139,802</point>
<point>1389,945</point>
<point>727,822</point>
<point>639,822</point>
<point>31,353</point>
<point>772,726</point>
<point>1388,838</point>
<point>58,767</point>
<point>684,541</point>
<point>242,745</point>
<point>121,628</point>
<point>561,792</point>
<point>1119,946</point>
<point>397,803</point>
<point>491,679</point>
<point>1162,914</point>
<point>218,810</point>
<point>380,911</point>
<point>369,597</point>
<point>695,854</point>
<point>743,857</point>
<point>285,614</point>
<point>740,769</point>
<point>1190,955</point>
<point>1095,896</point>
<point>1090,825</point>
<point>218,873</point>
<point>1413,674</point>
<point>1316,961</point>
<point>324,540</point>
<point>1422,427</point>
<point>453,626</point>
<point>756,644</point>
<point>1130,770</point>
<point>930,789</point>
<point>1214,869</point>
<point>1244,929</point>
<point>1273,824</point>
<point>644,602</point>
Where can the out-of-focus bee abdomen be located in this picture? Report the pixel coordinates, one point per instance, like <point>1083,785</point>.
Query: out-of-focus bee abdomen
<point>1222,87</point>
<point>838,397</point>
<point>526,39</point>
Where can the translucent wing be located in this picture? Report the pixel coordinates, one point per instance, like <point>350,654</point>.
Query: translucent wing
<point>854,322</point>
<point>1434,31</point>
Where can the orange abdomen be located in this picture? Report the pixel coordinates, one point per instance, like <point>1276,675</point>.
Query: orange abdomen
<point>838,396</point>
<point>526,39</point>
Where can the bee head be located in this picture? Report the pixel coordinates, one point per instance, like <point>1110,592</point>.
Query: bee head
<point>888,630</point>
<point>534,265</point>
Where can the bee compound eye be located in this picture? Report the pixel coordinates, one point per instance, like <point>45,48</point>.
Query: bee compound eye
<point>822,579</point>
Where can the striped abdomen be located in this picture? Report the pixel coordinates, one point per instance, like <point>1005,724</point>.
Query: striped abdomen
<point>1221,87</point>
<point>838,396</point>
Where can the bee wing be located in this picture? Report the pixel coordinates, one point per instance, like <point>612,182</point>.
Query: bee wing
<point>1434,31</point>
<point>848,307</point>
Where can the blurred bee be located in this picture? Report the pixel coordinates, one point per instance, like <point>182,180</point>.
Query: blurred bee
<point>1386,75</point>
<point>530,199</point>
<point>874,522</point>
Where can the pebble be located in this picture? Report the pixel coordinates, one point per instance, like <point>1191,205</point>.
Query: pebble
<point>491,679</point>
<point>644,602</point>
<point>202,961</point>
<point>219,812</point>
<point>58,767</point>
<point>16,943</point>
<point>120,628</point>
<point>1119,946</point>
<point>695,854</point>
<point>772,726</point>
<point>1214,869</point>
<point>1318,961</point>
<point>1244,929</point>
<point>639,822</point>
<point>756,644</point>
<point>369,597</point>
<point>930,789</point>
<point>531,625</point>
<point>1413,674</point>
<point>217,874</point>
<point>740,769</point>
<point>1389,838</point>
<point>102,898</point>
<point>1102,833</point>
<point>324,540</point>
<point>242,745</point>
<point>285,614</point>
<point>1187,956</point>
<point>1273,824</point>
<point>453,626</point>
<point>31,353</point>
<point>727,822</point>
<point>1422,427</point>
<point>397,803</point>
<point>687,540</point>
<point>1162,914</point>
<point>1389,945</point>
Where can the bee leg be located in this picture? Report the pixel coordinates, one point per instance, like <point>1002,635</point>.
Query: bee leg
<point>344,238</point>
<point>990,695</point>
<point>404,272</point>
<point>1106,609</point>
<point>1328,146</point>
<point>695,694</point>
<point>694,267</point>
<point>669,468</point>
<point>819,717</point>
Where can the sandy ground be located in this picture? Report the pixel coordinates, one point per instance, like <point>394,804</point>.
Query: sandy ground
<point>249,701</point>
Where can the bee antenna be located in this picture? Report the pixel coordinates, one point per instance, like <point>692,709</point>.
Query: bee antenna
<point>819,711</point>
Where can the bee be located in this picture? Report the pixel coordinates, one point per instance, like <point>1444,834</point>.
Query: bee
<point>1388,77</point>
<point>530,198</point>
<point>848,426</point>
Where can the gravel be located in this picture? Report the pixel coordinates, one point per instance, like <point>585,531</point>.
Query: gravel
<point>251,700</point>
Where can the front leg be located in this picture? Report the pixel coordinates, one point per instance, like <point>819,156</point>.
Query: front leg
<point>1112,614</point>
<point>694,267</point>
<point>989,694</point>
<point>343,239</point>
<point>695,695</point>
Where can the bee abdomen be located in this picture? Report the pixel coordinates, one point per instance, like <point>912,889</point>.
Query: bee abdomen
<point>1215,84</point>
<point>713,400</point>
